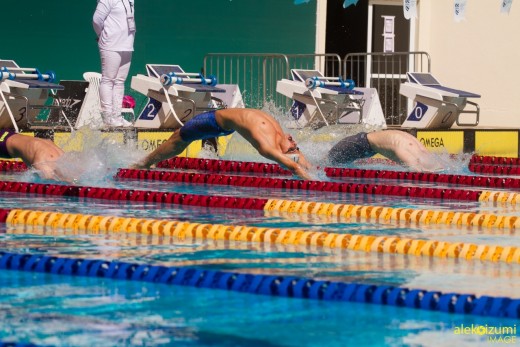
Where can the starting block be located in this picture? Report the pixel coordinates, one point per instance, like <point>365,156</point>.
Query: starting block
<point>31,100</point>
<point>24,94</point>
<point>175,96</point>
<point>321,101</point>
<point>436,106</point>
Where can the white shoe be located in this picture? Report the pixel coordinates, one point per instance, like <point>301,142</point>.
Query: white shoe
<point>117,121</point>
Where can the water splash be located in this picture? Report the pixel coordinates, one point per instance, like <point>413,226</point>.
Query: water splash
<point>92,157</point>
<point>316,144</point>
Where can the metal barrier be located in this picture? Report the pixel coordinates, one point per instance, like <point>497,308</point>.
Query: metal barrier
<point>257,73</point>
<point>385,72</point>
<point>329,64</point>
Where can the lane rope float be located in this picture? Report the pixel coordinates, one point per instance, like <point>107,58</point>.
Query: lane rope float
<point>181,230</point>
<point>324,186</point>
<point>272,285</point>
<point>308,207</point>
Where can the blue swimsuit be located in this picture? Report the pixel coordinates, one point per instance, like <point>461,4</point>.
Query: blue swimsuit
<point>202,126</point>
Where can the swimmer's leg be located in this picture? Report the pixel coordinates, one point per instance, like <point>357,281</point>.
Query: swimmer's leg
<point>172,147</point>
<point>413,154</point>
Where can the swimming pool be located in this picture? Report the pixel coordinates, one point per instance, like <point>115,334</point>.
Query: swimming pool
<point>44,308</point>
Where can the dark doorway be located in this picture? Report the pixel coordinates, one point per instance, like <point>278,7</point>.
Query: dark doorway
<point>346,28</point>
<point>401,28</point>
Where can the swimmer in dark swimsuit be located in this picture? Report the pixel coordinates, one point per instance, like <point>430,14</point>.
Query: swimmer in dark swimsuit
<point>259,128</point>
<point>40,154</point>
<point>396,145</point>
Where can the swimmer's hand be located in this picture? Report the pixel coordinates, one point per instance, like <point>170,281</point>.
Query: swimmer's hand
<point>140,166</point>
<point>38,153</point>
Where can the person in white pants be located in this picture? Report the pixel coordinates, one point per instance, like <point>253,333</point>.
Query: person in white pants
<point>114,25</point>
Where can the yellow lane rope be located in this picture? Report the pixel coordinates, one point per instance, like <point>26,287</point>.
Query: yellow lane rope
<point>181,230</point>
<point>407,215</point>
<point>352,261</point>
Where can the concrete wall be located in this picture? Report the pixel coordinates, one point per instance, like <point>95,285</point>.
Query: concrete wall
<point>480,54</point>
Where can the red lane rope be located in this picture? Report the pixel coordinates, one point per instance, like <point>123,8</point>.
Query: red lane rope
<point>285,183</point>
<point>133,195</point>
<point>466,180</point>
<point>216,165</point>
<point>224,166</point>
<point>494,169</point>
<point>12,166</point>
<point>490,160</point>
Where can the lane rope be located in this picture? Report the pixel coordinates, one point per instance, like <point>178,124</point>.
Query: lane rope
<point>308,207</point>
<point>214,165</point>
<point>272,285</point>
<point>491,160</point>
<point>466,180</point>
<point>182,230</point>
<point>494,169</point>
<point>324,186</point>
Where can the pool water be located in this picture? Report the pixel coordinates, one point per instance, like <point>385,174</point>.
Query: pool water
<point>77,311</point>
<point>59,310</point>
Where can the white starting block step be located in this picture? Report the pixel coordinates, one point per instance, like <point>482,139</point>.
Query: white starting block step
<point>321,101</point>
<point>436,106</point>
<point>175,96</point>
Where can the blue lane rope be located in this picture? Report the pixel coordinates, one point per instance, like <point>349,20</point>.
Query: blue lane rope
<point>275,285</point>
<point>16,344</point>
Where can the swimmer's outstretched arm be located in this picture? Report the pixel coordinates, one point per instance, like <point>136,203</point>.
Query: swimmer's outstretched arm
<point>41,154</point>
<point>287,162</point>
<point>303,161</point>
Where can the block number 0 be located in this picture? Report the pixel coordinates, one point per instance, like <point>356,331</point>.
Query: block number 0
<point>418,112</point>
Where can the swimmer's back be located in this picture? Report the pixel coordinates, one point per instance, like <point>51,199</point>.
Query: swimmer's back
<point>241,119</point>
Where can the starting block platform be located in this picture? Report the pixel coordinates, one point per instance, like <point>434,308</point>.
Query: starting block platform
<point>436,106</point>
<point>30,99</point>
<point>321,101</point>
<point>175,96</point>
<point>24,95</point>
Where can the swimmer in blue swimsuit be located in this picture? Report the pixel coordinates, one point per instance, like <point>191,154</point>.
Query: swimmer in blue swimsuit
<point>259,128</point>
<point>40,154</point>
<point>396,145</point>
<point>201,127</point>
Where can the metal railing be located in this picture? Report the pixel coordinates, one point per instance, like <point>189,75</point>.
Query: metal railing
<point>257,73</point>
<point>385,72</point>
<point>329,64</point>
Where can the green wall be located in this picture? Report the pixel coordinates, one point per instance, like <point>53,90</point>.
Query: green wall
<point>57,34</point>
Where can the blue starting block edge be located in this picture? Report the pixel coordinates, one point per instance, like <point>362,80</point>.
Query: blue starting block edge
<point>461,93</point>
<point>203,88</point>
<point>35,84</point>
<point>426,79</point>
<point>343,90</point>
